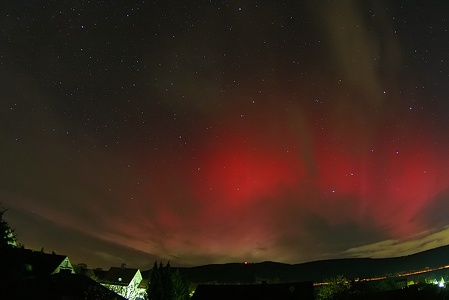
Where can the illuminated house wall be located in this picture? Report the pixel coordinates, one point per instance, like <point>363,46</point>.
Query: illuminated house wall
<point>125,282</point>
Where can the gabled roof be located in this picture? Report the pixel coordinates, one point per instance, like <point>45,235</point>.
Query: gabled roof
<point>120,276</point>
<point>31,263</point>
<point>284,291</point>
<point>57,286</point>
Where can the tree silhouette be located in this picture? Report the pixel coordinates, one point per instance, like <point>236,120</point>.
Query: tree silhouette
<point>7,237</point>
<point>167,284</point>
<point>334,289</point>
<point>180,286</point>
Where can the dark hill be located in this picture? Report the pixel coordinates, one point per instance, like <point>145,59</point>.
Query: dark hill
<point>317,270</point>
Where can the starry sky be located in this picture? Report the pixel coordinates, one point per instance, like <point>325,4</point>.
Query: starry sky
<point>225,131</point>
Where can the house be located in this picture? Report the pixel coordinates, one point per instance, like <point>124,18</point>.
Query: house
<point>401,283</point>
<point>64,286</point>
<point>264,291</point>
<point>125,282</point>
<point>27,263</point>
<point>28,274</point>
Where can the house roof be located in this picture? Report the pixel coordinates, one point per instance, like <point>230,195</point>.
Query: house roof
<point>81,286</point>
<point>31,263</point>
<point>285,291</point>
<point>120,276</point>
<point>58,286</point>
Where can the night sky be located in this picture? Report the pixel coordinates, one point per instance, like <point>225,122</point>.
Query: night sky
<point>225,131</point>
